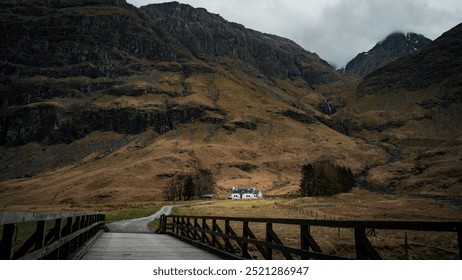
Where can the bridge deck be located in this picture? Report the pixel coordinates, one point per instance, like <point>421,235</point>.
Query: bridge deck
<point>143,246</point>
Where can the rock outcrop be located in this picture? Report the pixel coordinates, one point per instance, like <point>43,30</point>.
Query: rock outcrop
<point>211,37</point>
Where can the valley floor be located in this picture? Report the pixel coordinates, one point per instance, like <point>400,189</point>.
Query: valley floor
<point>356,205</point>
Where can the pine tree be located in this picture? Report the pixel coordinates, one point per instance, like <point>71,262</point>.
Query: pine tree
<point>306,183</point>
<point>325,178</point>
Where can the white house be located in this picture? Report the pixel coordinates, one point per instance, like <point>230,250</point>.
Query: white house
<point>245,193</point>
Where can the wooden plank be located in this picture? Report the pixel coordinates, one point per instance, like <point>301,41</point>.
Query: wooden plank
<point>196,225</point>
<point>215,241</point>
<point>314,255</point>
<point>190,229</point>
<point>149,247</point>
<point>205,226</point>
<point>20,217</point>
<point>249,233</point>
<point>307,239</point>
<point>231,234</point>
<point>278,241</point>
<point>448,226</point>
<point>26,246</point>
<point>203,234</point>
<point>364,249</point>
<point>7,243</point>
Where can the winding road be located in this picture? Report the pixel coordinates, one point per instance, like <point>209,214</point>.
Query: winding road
<point>139,225</point>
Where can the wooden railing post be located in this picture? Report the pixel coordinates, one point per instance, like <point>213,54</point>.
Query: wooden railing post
<point>182,226</point>
<point>197,236</point>
<point>304,243</point>
<point>245,244</point>
<point>66,231</point>
<point>40,237</point>
<point>81,238</point>
<point>162,224</point>
<point>214,229</point>
<point>57,236</point>
<point>269,239</point>
<point>228,247</point>
<point>7,242</point>
<point>176,222</point>
<point>203,234</point>
<point>75,227</point>
<point>459,240</point>
<point>307,241</point>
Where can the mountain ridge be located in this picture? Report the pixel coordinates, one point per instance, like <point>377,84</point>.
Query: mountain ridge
<point>102,101</point>
<point>411,107</point>
<point>393,46</point>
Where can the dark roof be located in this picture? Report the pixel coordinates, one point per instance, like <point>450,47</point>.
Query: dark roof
<point>245,191</point>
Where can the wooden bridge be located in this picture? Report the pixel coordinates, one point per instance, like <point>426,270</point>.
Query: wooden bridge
<point>85,235</point>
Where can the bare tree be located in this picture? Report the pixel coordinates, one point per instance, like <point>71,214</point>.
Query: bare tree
<point>174,189</point>
<point>187,186</point>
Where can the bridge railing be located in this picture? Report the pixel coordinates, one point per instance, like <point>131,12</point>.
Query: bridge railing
<point>46,235</point>
<point>232,236</point>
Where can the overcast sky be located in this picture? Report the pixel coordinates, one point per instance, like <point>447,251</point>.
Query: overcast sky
<point>337,30</point>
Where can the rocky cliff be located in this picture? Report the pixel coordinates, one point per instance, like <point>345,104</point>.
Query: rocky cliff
<point>392,47</point>
<point>211,37</point>
<point>82,49</point>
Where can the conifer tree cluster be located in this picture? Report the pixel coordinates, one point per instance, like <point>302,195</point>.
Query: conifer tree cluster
<point>189,186</point>
<point>325,178</point>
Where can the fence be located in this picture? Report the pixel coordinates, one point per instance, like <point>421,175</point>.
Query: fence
<point>306,212</point>
<point>218,235</point>
<point>47,235</point>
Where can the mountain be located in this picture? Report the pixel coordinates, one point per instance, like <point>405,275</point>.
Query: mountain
<point>81,48</point>
<point>102,101</point>
<point>412,108</point>
<point>392,47</point>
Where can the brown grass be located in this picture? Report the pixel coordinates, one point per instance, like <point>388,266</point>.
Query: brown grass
<point>357,205</point>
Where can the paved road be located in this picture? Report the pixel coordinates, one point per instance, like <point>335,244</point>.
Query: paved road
<point>139,225</point>
<point>132,240</point>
